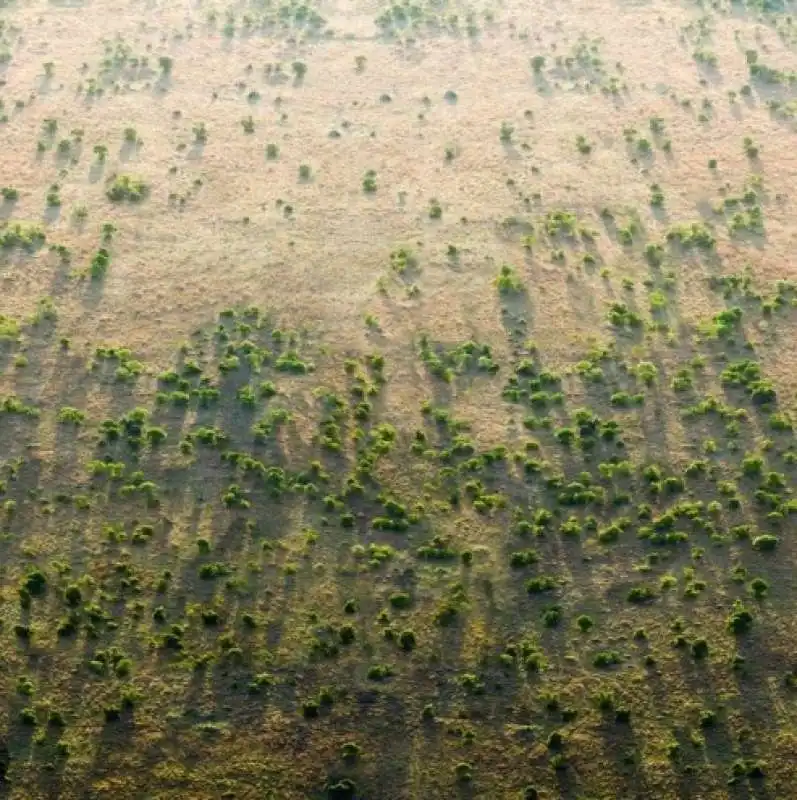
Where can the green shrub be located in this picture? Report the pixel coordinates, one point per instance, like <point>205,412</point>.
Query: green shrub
<point>584,623</point>
<point>290,362</point>
<point>35,582</point>
<point>542,583</point>
<point>400,600</point>
<point>551,616</point>
<point>740,619</point>
<point>622,317</point>
<point>523,558</point>
<point>379,672</point>
<point>22,235</point>
<point>71,416</point>
<point>100,263</point>
<point>656,196</point>
<point>508,281</point>
<point>582,145</point>
<point>342,789</point>
<point>436,549</point>
<point>750,148</point>
<point>699,649</point>
<point>347,634</point>
<point>759,588</point>
<point>765,542</point>
<point>640,594</point>
<point>350,751</point>
<point>200,132</point>
<point>606,658</point>
<point>369,182</point>
<point>213,570</point>
<point>127,187</point>
<point>72,595</point>
<point>694,234</point>
<point>310,709</point>
<point>708,719</point>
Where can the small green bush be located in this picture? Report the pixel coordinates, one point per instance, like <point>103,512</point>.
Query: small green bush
<point>400,600</point>
<point>640,594</point>
<point>606,658</point>
<point>765,542</point>
<point>508,281</point>
<point>379,672</point>
<point>740,619</point>
<point>127,187</point>
<point>584,623</point>
<point>369,182</point>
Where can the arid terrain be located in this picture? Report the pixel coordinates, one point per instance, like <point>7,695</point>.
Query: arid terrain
<point>398,401</point>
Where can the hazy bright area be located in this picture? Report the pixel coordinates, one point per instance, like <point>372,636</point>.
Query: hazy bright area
<point>397,401</point>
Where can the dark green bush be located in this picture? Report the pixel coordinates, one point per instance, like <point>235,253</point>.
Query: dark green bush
<point>606,658</point>
<point>35,582</point>
<point>542,583</point>
<point>640,594</point>
<point>400,600</point>
<point>584,623</point>
<point>72,595</point>
<point>740,619</point>
<point>343,789</point>
<point>699,648</point>
<point>523,558</point>
<point>379,672</point>
<point>127,187</point>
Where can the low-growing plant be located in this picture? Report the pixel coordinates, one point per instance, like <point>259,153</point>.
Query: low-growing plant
<point>508,281</point>
<point>127,188</point>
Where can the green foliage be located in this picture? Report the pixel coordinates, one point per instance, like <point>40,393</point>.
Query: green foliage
<point>400,600</point>
<point>23,235</point>
<point>200,132</point>
<point>100,263</point>
<point>694,234</point>
<point>620,316</point>
<point>523,558</point>
<point>606,658</point>
<point>71,416</point>
<point>765,542</point>
<point>540,584</point>
<point>127,188</point>
<point>640,594</point>
<point>369,182</point>
<point>379,672</point>
<point>740,619</point>
<point>508,281</point>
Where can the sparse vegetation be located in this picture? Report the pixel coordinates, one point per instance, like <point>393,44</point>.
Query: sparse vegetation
<point>441,440</point>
